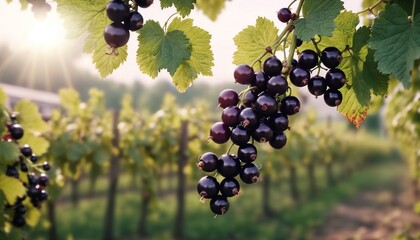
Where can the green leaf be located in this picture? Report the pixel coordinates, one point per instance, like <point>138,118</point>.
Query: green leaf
<point>3,97</point>
<point>201,59</point>
<point>30,118</point>
<point>158,50</point>
<point>101,155</point>
<point>211,8</point>
<point>75,151</point>
<point>69,99</point>
<point>377,81</point>
<point>183,7</point>
<point>318,18</point>
<point>397,42</point>
<point>32,216</point>
<point>253,40</point>
<point>9,152</point>
<point>12,188</point>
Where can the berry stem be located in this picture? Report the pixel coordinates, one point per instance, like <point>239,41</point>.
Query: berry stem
<point>370,9</point>
<point>167,21</point>
<point>413,11</point>
<point>299,8</point>
<point>230,147</point>
<point>291,3</point>
<point>292,49</point>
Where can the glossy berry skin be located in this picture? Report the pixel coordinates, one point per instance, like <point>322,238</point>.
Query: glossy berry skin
<point>248,118</point>
<point>18,220</point>
<point>11,171</point>
<point>208,162</point>
<point>43,179</point>
<point>228,165</point>
<point>284,15</point>
<point>34,158</point>
<point>249,99</point>
<point>249,173</point>
<point>266,104</point>
<point>333,97</point>
<point>134,21</point>
<point>220,133</point>
<point>240,135</point>
<point>16,131</point>
<point>278,141</point>
<point>317,85</point>
<point>227,98</point>
<point>208,187</point>
<point>46,166</point>
<point>308,59</point>
<point>219,205</point>
<point>244,74</point>
<point>23,167</point>
<point>20,209</point>
<point>298,42</point>
<point>279,122</point>
<point>230,116</point>
<point>295,63</point>
<point>26,150</point>
<point>272,66</point>
<point>299,76</point>
<point>331,57</point>
<point>263,133</point>
<point>116,35</point>
<point>144,3</point>
<point>32,179</point>
<point>117,10</point>
<point>277,85</point>
<point>261,80</point>
<point>335,78</point>
<point>290,105</point>
<point>247,153</point>
<point>229,187</point>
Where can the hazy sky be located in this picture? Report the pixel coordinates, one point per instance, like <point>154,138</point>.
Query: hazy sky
<point>17,32</point>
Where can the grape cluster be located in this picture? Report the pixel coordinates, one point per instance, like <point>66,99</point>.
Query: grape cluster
<point>40,8</point>
<point>27,164</point>
<point>125,18</point>
<point>329,85</point>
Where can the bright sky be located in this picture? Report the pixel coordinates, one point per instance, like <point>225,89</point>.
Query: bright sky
<point>20,30</point>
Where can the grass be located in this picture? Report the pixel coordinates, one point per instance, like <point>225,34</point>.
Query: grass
<point>243,221</point>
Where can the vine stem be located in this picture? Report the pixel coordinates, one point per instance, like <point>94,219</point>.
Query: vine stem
<point>291,3</point>
<point>413,10</point>
<point>230,147</point>
<point>167,21</point>
<point>370,9</point>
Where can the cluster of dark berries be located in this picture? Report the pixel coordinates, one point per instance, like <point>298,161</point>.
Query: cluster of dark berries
<point>26,163</point>
<point>40,8</point>
<point>285,15</point>
<point>329,85</point>
<point>125,18</point>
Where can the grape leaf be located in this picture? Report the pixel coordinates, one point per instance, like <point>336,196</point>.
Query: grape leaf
<point>201,59</point>
<point>159,50</point>
<point>183,7</point>
<point>211,8</point>
<point>69,99</point>
<point>377,81</point>
<point>9,152</point>
<point>318,18</point>
<point>397,42</point>
<point>253,40</point>
<point>30,118</point>
<point>12,188</point>
<point>32,216</point>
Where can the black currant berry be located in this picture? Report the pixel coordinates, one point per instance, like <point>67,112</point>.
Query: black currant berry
<point>116,35</point>
<point>134,21</point>
<point>272,66</point>
<point>14,116</point>
<point>32,179</point>
<point>249,99</point>
<point>43,195</point>
<point>34,158</point>
<point>261,80</point>
<point>299,76</point>
<point>308,59</point>
<point>34,192</point>
<point>228,165</point>
<point>333,97</point>
<point>279,122</point>
<point>46,166</point>
<point>266,104</point>
<point>26,150</point>
<point>117,10</point>
<point>295,63</point>
<point>16,131</point>
<point>244,74</point>
<point>20,209</point>
<point>219,205</point>
<point>298,42</point>
<point>229,187</point>
<point>240,135</point>
<point>208,187</point>
<point>248,118</point>
<point>144,3</point>
<point>247,153</point>
<point>317,85</point>
<point>263,133</point>
<point>250,173</point>
<point>227,98</point>
<point>18,220</point>
<point>220,133</point>
<point>23,167</point>
<point>277,85</point>
<point>278,141</point>
<point>11,171</point>
<point>290,105</point>
<point>43,179</point>
<point>208,162</point>
<point>284,15</point>
<point>331,57</point>
<point>230,116</point>
<point>335,78</point>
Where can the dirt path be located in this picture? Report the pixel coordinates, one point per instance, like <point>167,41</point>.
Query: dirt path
<point>372,215</point>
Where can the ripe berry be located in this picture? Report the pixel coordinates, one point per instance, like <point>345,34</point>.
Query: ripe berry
<point>333,97</point>
<point>228,165</point>
<point>266,104</point>
<point>261,80</point>
<point>18,220</point>
<point>16,131</point>
<point>20,209</point>
<point>207,162</point>
<point>298,42</point>
<point>11,171</point>
<point>34,158</point>
<point>117,10</point>
<point>249,99</point>
<point>23,167</point>
<point>43,195</point>
<point>116,35</point>
<point>208,187</point>
<point>278,141</point>
<point>335,78</point>
<point>240,135</point>
<point>284,15</point>
<point>248,118</point>
<point>46,166</point>
<point>277,85</point>
<point>228,97</point>
<point>26,150</point>
<point>32,179</point>
<point>290,105</point>
<point>134,21</point>
<point>144,3</point>
<point>247,153</point>
<point>263,133</point>
<point>43,179</point>
<point>220,133</point>
<point>219,205</point>
<point>308,59</point>
<point>230,116</point>
<point>244,74</point>
<point>317,85</point>
<point>279,122</point>
<point>250,173</point>
<point>229,187</point>
<point>299,76</point>
<point>272,66</point>
<point>331,57</point>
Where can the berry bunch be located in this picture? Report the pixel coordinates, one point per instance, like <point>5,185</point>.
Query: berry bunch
<point>27,163</point>
<point>329,85</point>
<point>125,18</point>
